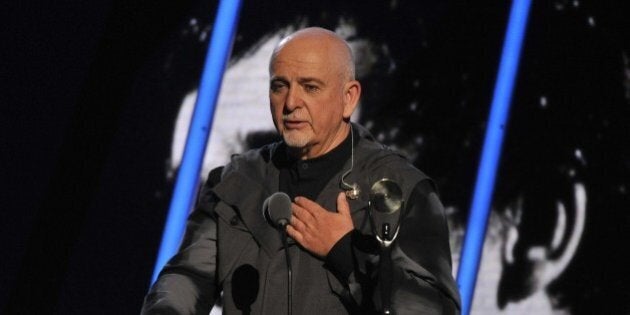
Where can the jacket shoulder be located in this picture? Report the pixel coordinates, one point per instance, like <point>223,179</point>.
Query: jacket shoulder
<point>252,161</point>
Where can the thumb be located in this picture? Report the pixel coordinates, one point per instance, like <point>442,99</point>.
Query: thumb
<point>342,204</point>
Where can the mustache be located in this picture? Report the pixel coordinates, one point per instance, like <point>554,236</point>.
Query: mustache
<point>295,116</point>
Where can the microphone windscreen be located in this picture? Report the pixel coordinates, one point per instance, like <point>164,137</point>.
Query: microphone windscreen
<point>278,208</point>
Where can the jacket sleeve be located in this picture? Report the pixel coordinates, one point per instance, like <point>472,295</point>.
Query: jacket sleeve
<point>422,281</point>
<point>422,277</point>
<point>187,284</point>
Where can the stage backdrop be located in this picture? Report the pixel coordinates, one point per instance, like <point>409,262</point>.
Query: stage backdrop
<point>428,70</point>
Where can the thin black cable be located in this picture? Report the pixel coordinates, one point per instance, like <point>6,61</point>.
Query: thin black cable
<point>385,275</point>
<point>289,272</point>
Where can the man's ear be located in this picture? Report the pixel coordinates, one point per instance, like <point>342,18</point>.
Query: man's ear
<point>351,95</point>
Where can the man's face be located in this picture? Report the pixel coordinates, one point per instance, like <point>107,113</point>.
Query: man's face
<point>306,94</point>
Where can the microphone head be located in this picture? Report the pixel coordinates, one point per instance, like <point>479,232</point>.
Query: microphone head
<point>385,204</point>
<point>278,209</point>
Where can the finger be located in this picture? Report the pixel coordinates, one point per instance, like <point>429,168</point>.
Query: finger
<point>342,205</point>
<point>297,224</point>
<point>301,213</point>
<point>310,206</point>
<point>295,234</point>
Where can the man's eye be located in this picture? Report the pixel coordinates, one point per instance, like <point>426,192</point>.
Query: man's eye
<point>311,88</point>
<point>275,87</point>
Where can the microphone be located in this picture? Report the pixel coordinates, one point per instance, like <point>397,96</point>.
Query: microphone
<point>277,208</point>
<point>385,205</point>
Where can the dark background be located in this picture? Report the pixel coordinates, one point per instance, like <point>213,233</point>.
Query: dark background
<point>90,91</point>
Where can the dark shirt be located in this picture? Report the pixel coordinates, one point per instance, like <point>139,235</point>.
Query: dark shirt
<point>307,178</point>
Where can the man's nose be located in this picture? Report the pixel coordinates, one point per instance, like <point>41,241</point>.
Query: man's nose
<point>293,100</point>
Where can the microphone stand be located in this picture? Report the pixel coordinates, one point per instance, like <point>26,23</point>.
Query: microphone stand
<point>289,272</point>
<point>385,278</point>
<point>385,206</point>
<point>281,202</point>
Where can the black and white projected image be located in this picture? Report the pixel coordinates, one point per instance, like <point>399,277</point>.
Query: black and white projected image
<point>560,208</point>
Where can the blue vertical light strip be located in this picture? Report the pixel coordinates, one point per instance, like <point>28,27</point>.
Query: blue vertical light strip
<point>480,209</point>
<point>188,176</point>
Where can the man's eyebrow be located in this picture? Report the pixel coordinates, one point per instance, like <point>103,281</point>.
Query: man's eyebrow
<point>278,78</point>
<point>311,80</point>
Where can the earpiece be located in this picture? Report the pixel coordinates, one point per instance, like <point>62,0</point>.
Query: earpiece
<point>352,190</point>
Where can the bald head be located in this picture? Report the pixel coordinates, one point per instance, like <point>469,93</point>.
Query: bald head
<point>317,39</point>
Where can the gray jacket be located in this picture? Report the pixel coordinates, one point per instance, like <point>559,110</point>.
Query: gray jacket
<point>229,247</point>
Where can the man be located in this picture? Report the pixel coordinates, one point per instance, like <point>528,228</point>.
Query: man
<point>231,248</point>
